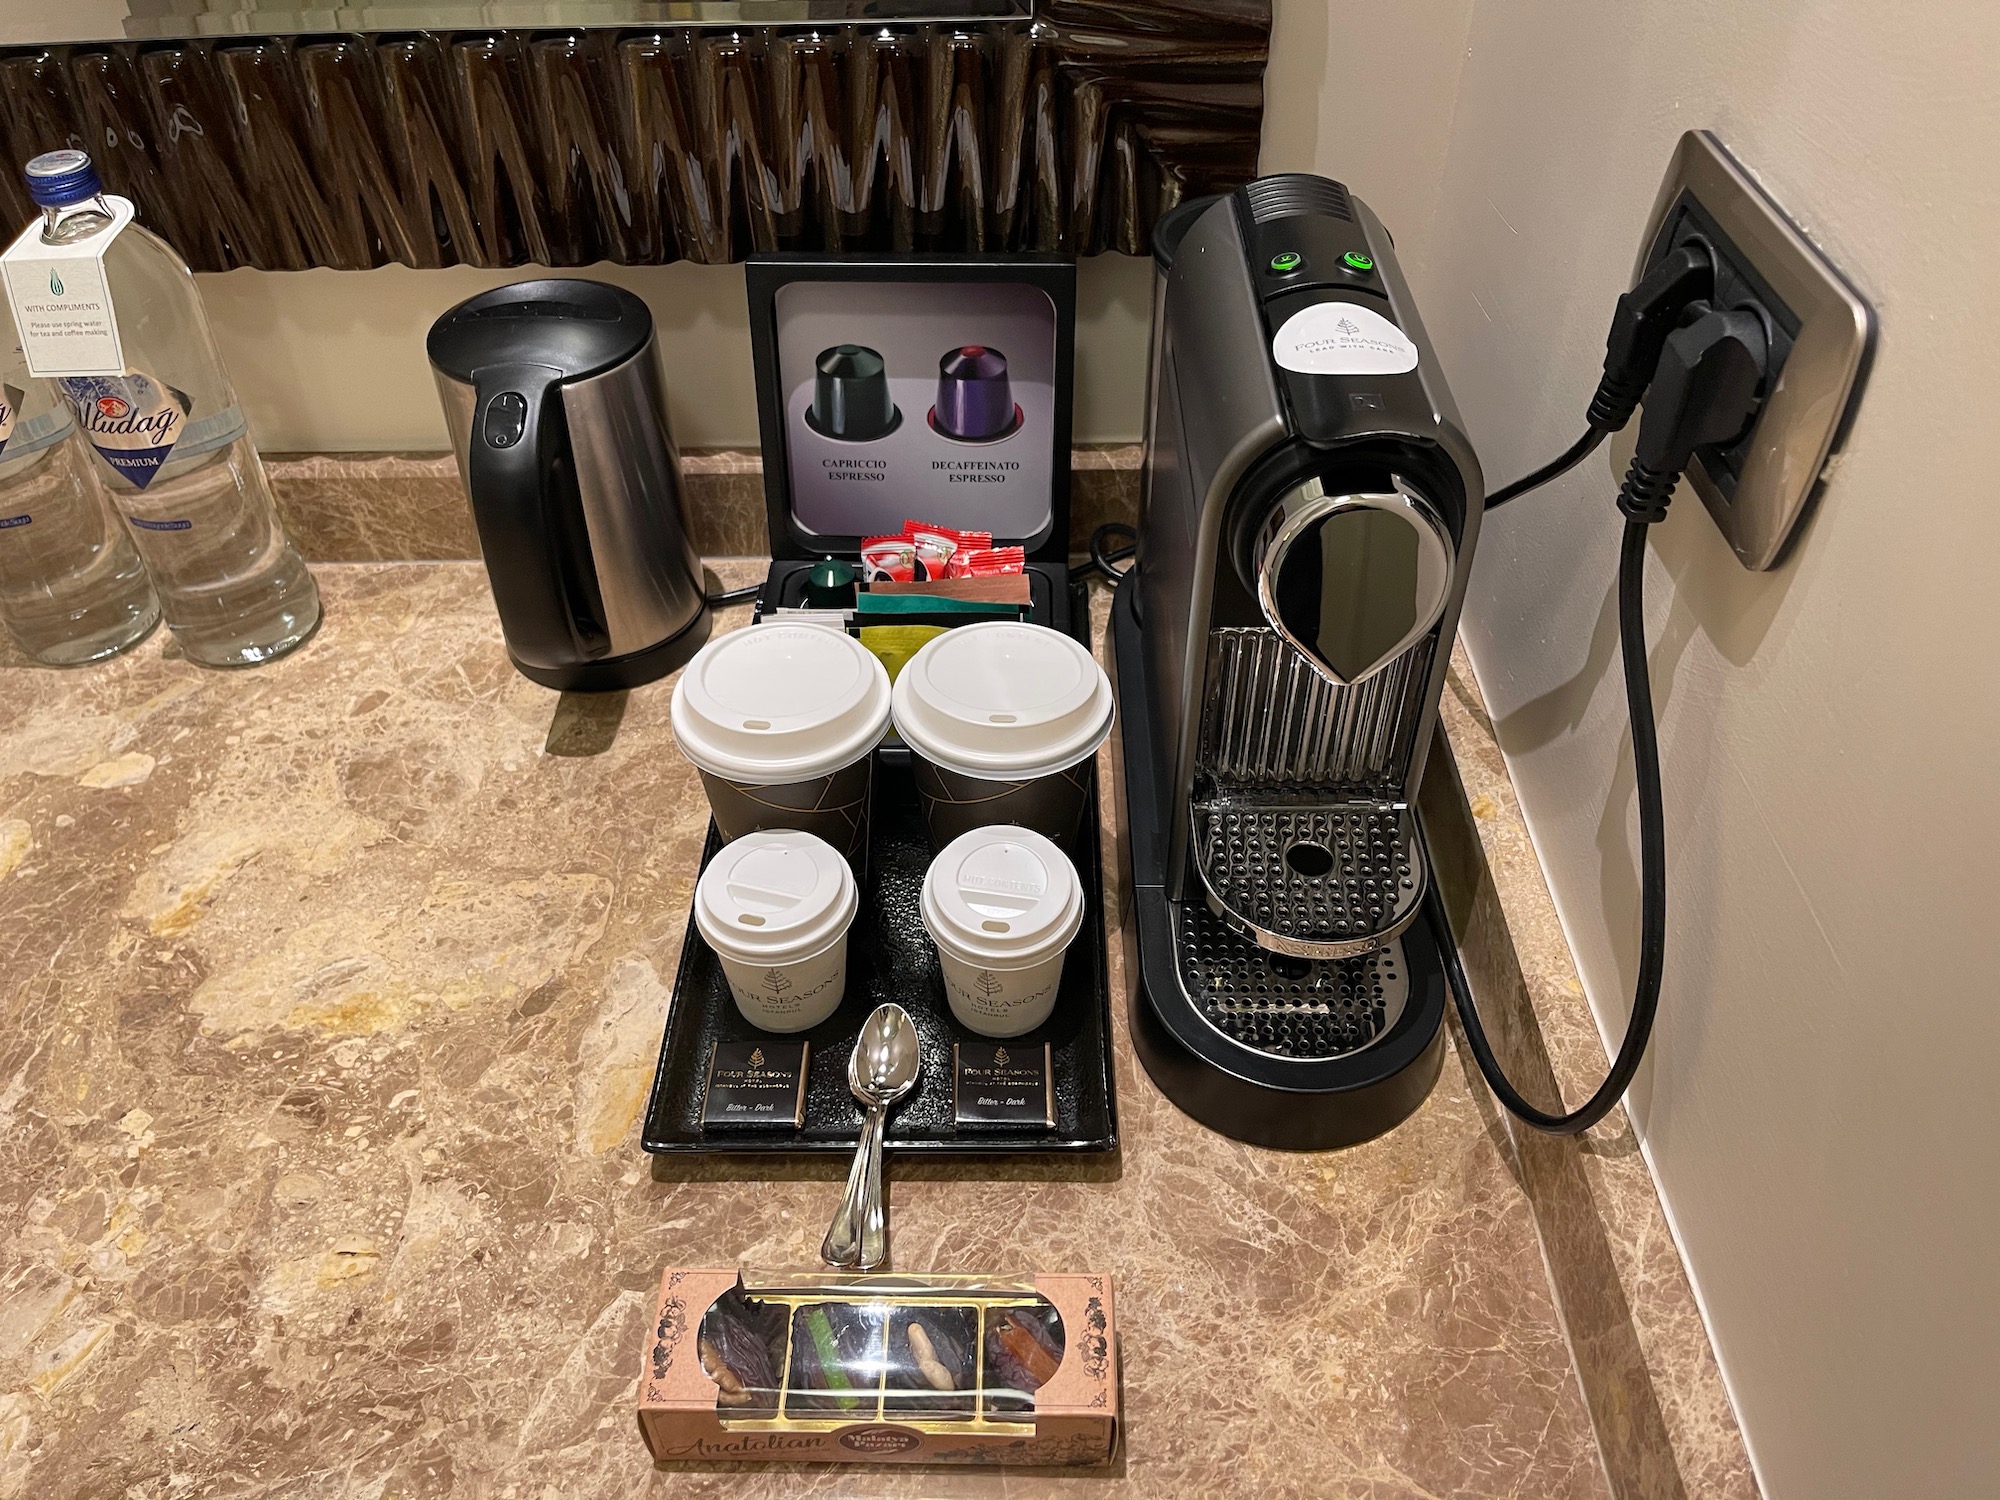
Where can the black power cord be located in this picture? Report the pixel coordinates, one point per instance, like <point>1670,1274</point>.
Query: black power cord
<point>1104,558</point>
<point>1555,468</point>
<point>1705,387</point>
<point>1640,325</point>
<point>736,596</point>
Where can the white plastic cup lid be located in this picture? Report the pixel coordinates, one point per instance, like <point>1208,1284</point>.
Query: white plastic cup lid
<point>780,703</point>
<point>1003,701</point>
<point>1003,897</point>
<point>775,898</point>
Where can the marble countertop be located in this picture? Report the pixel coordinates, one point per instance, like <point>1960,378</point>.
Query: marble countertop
<point>332,991</point>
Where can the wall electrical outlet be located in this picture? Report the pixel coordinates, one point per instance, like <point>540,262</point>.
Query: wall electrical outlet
<point>1759,488</point>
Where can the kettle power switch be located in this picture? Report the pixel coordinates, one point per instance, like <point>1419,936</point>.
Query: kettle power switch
<point>506,418</point>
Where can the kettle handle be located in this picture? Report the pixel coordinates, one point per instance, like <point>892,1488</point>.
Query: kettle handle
<point>525,503</point>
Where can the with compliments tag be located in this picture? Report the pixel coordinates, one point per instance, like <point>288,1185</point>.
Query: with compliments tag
<point>62,302</point>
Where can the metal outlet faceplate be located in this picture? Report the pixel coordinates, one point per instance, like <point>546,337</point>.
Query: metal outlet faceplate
<point>1778,467</point>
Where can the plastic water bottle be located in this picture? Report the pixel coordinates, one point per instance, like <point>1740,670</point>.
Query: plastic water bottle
<point>170,441</point>
<point>72,588</point>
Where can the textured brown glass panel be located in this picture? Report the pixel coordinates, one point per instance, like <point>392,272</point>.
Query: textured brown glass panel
<point>118,133</point>
<point>423,129</point>
<point>347,127</point>
<point>508,204</point>
<point>35,111</point>
<point>199,166</point>
<point>591,210</point>
<point>270,117</point>
<point>881,141</point>
<point>1070,133</point>
<point>728,98</point>
<point>669,172</point>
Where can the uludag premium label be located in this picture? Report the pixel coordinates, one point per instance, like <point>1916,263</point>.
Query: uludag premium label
<point>62,301</point>
<point>131,419</point>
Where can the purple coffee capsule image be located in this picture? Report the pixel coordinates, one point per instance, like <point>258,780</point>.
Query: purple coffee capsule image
<point>975,402</point>
<point>851,395</point>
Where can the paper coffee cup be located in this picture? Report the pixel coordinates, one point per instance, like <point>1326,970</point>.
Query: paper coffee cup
<point>782,722</point>
<point>1003,721</point>
<point>1003,905</point>
<point>776,907</point>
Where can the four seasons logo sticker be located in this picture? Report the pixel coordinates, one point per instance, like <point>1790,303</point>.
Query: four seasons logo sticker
<point>1342,338</point>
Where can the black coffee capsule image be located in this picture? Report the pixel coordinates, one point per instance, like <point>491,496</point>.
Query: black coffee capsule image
<point>851,395</point>
<point>975,401</point>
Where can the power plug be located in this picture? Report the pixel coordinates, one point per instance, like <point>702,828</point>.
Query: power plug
<point>1759,484</point>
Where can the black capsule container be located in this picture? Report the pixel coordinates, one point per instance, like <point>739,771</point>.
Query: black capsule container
<point>851,400</point>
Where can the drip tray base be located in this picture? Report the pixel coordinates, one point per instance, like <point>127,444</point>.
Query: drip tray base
<point>1287,1006</point>
<point>1308,877</point>
<point>1295,1051</point>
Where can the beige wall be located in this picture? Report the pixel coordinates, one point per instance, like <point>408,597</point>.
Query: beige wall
<point>33,21</point>
<point>1820,1108</point>
<point>335,359</point>
<point>1365,93</point>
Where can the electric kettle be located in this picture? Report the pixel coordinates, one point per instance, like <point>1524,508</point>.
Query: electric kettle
<point>558,419</point>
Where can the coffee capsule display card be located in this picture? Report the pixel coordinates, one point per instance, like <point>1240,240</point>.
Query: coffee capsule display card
<point>938,388</point>
<point>914,399</point>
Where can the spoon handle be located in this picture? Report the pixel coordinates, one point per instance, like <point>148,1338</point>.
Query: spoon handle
<point>874,1229</point>
<point>842,1246</point>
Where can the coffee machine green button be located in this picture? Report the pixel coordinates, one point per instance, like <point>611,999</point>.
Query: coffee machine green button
<point>1289,260</point>
<point>1356,261</point>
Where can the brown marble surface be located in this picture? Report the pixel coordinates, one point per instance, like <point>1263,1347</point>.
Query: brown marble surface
<point>331,992</point>
<point>391,507</point>
<point>1648,1372</point>
<point>372,507</point>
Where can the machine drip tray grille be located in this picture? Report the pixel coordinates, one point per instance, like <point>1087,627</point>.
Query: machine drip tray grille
<point>1289,1007</point>
<point>1310,878</point>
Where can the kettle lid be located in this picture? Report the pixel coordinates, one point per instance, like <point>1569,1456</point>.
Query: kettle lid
<point>579,327</point>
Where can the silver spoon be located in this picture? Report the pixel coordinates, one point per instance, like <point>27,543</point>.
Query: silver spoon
<point>883,1068</point>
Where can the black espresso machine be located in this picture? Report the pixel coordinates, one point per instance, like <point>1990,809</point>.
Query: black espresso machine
<point>1307,523</point>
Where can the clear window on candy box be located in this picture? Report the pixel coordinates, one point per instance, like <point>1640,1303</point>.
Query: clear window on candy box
<point>901,1354</point>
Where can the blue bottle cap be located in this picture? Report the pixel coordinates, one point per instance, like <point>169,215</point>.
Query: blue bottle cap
<point>56,179</point>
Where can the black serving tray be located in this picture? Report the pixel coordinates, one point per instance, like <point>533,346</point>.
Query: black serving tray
<point>890,957</point>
